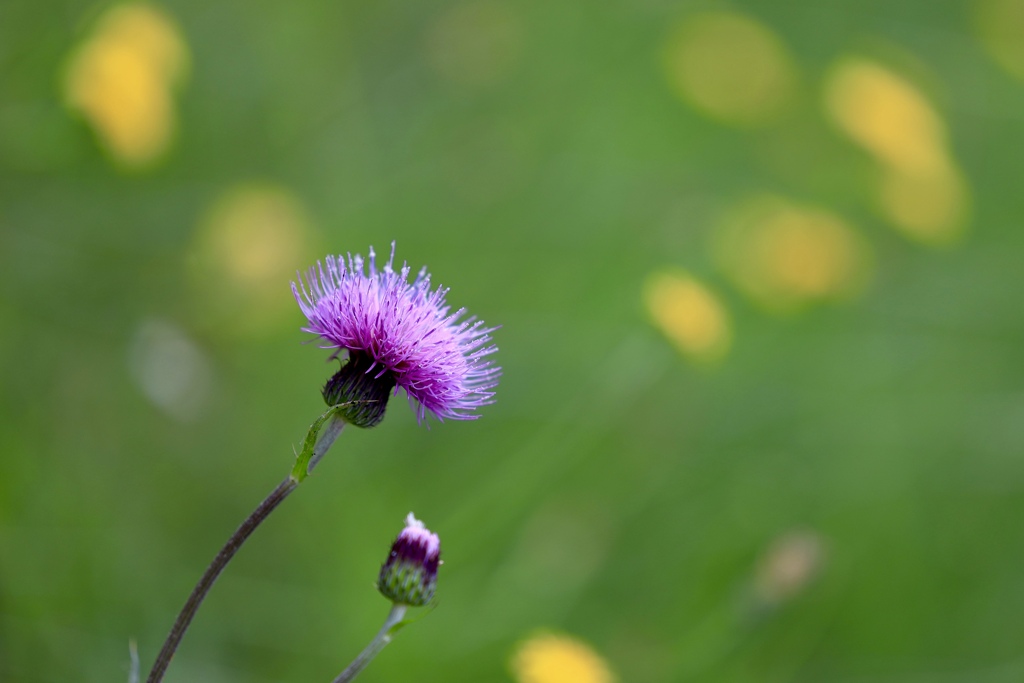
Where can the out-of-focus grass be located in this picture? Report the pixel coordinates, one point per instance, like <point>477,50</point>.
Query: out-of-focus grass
<point>835,497</point>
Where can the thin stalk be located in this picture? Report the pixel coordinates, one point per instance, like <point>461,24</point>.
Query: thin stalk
<point>383,637</point>
<point>322,434</point>
<point>243,532</point>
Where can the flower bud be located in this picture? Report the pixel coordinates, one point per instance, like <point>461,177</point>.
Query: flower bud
<point>409,575</point>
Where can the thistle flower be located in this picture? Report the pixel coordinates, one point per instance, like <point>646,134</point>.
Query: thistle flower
<point>397,336</point>
<point>409,575</point>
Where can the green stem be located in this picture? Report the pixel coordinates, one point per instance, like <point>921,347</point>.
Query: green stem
<point>318,440</point>
<point>181,624</point>
<point>382,638</point>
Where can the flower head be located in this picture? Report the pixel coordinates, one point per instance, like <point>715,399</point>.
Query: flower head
<point>398,335</point>
<point>409,575</point>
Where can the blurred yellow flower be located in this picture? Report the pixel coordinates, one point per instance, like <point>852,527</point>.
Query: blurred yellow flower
<point>256,233</point>
<point>784,255</point>
<point>921,191</point>
<point>886,115</point>
<point>999,25</point>
<point>550,658</point>
<point>929,207</point>
<point>689,314</point>
<point>731,67</point>
<point>246,249</point>
<point>121,79</point>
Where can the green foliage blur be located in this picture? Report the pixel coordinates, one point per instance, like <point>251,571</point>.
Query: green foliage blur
<point>805,468</point>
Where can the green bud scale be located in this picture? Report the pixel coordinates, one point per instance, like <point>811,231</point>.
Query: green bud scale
<point>409,575</point>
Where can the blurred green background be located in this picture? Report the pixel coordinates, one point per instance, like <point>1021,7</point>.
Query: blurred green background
<point>758,271</point>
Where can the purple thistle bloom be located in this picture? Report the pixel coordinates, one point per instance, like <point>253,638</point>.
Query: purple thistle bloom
<point>409,575</point>
<point>397,335</point>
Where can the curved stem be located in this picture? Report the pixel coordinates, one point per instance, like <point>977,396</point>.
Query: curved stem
<point>321,435</point>
<point>261,512</point>
<point>382,638</point>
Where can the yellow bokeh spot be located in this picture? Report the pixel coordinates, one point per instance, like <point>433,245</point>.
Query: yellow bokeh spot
<point>921,190</point>
<point>784,255</point>
<point>550,658</point>
<point>999,25</point>
<point>886,115</point>
<point>928,207</point>
<point>256,232</point>
<point>731,67</point>
<point>689,314</point>
<point>121,79</point>
<point>247,248</point>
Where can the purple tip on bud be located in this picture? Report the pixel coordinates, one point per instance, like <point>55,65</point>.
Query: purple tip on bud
<point>409,575</point>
